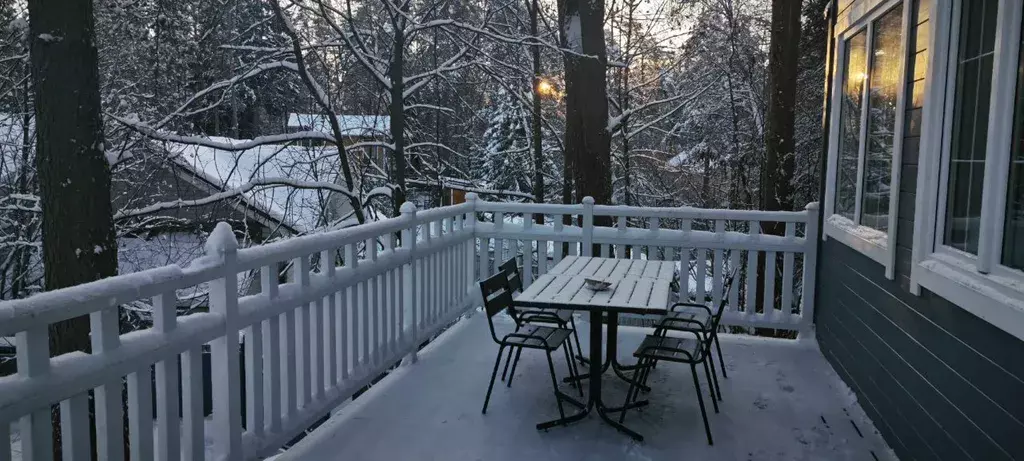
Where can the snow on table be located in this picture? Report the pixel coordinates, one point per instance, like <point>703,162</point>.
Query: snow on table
<point>782,401</point>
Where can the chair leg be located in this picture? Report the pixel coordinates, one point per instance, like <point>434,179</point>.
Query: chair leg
<point>721,360</point>
<point>514,365</point>
<point>571,365</point>
<point>632,387</point>
<point>575,335</point>
<point>554,385</point>
<point>700,400</point>
<point>497,361</point>
<point>508,360</point>
<point>643,370</point>
<point>711,386</point>
<point>714,375</point>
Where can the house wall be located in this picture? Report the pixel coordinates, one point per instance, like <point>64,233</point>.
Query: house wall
<point>938,382</point>
<point>151,181</point>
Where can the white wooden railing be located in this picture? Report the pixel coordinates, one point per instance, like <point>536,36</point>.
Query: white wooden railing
<point>355,303</point>
<point>707,243</point>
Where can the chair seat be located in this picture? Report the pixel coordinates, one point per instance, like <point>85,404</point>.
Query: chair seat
<point>538,315</point>
<point>658,347</point>
<point>683,317</point>
<point>548,338</point>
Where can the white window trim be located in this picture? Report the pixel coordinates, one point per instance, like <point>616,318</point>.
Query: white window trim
<point>854,236</point>
<point>978,284</point>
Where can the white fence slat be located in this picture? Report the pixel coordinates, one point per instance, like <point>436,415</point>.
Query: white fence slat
<point>107,399</point>
<point>734,288</point>
<point>788,269</point>
<point>33,354</point>
<point>752,257</point>
<point>701,275</point>
<point>528,252</point>
<point>620,249</point>
<point>225,376</point>
<point>74,428</point>
<point>254,385</point>
<point>288,346</point>
<point>271,353</point>
<point>559,227</point>
<point>303,330</point>
<point>409,280</point>
<point>168,438</point>
<point>378,309</point>
<point>717,270</point>
<point>316,328</point>
<point>192,420</point>
<point>140,414</point>
<point>653,252</point>
<point>330,322</point>
<point>499,244</point>
<point>769,284</point>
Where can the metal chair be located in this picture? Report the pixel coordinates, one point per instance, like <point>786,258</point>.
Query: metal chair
<point>692,351</point>
<point>562,318</point>
<point>687,316</point>
<point>498,297</point>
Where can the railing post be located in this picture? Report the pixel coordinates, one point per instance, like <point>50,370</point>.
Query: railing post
<point>33,356</point>
<point>410,301</point>
<point>226,377</point>
<point>469,227</point>
<point>588,226</point>
<point>104,336</point>
<point>810,268</point>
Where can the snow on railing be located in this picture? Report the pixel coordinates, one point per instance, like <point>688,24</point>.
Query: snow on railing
<point>775,288</point>
<point>356,302</point>
<point>305,345</point>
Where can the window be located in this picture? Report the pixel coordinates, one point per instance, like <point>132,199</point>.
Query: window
<point>969,221</point>
<point>1013,226</point>
<point>970,125</point>
<point>865,141</point>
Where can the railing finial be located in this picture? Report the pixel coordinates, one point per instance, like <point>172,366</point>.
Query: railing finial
<point>472,197</point>
<point>221,240</point>
<point>588,200</point>
<point>408,208</point>
<point>811,206</point>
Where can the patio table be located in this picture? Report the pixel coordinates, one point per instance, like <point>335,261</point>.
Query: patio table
<point>638,287</point>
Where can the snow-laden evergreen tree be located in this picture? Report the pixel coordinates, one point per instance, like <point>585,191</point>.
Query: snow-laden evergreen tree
<point>507,145</point>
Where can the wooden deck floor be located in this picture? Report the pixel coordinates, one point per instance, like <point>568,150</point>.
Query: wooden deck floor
<point>782,401</point>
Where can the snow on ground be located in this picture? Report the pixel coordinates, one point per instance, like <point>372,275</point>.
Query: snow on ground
<point>782,401</point>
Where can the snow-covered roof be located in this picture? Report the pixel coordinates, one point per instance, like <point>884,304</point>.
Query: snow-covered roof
<point>351,125</point>
<point>300,208</point>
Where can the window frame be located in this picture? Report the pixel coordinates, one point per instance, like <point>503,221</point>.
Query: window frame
<point>980,283</point>
<point>863,20</point>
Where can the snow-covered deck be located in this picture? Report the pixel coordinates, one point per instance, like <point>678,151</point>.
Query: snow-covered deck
<point>782,401</point>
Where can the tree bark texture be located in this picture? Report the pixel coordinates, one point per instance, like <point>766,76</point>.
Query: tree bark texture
<point>74,176</point>
<point>587,140</point>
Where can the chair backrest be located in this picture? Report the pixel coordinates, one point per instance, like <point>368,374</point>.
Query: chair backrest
<point>497,297</point>
<point>726,287</point>
<point>511,270</point>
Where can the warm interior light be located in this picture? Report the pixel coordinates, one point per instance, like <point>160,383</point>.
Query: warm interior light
<point>545,88</point>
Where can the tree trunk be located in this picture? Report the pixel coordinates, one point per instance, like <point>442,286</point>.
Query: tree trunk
<point>587,141</point>
<point>397,110</point>
<point>777,173</point>
<point>74,176</point>
<point>538,149</point>
<point>777,189</point>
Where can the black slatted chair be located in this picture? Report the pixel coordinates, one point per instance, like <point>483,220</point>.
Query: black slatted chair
<point>687,316</point>
<point>562,318</point>
<point>498,297</point>
<point>692,347</point>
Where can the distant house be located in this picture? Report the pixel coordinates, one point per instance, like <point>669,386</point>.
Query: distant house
<point>355,129</point>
